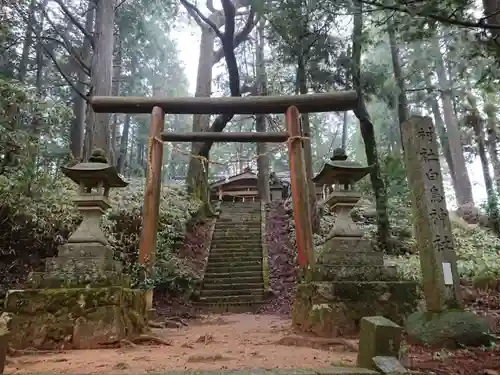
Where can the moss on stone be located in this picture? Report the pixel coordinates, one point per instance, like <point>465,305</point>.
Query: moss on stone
<point>335,308</point>
<point>450,328</point>
<point>71,318</point>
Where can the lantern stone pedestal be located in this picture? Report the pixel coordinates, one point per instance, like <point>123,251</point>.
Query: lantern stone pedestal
<point>350,280</point>
<point>82,300</point>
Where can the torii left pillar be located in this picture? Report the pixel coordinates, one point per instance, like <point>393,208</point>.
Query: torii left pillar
<point>150,212</point>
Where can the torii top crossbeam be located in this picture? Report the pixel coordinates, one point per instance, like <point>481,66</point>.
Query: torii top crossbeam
<point>309,103</point>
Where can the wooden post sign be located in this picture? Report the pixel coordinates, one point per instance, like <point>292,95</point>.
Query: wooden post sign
<point>300,193</point>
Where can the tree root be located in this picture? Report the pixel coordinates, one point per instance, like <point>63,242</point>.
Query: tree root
<point>144,339</point>
<point>11,352</point>
<point>154,324</point>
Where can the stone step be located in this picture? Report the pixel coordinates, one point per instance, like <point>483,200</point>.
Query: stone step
<point>231,257</point>
<point>254,208</point>
<point>230,307</point>
<point>236,218</point>
<point>232,238</point>
<point>245,236</point>
<point>256,269</point>
<point>234,252</point>
<point>236,278</point>
<point>228,286</point>
<point>225,299</point>
<point>237,222</point>
<point>223,293</point>
<point>234,245</point>
<point>229,269</point>
<point>247,233</point>
<point>237,228</point>
<point>232,263</point>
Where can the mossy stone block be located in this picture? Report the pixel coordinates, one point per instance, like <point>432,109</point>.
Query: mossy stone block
<point>332,309</point>
<point>75,318</point>
<point>447,329</point>
<point>378,337</point>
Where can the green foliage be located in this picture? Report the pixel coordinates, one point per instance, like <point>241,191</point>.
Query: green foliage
<point>477,255</point>
<point>477,249</point>
<point>123,225</point>
<point>33,225</point>
<point>36,210</point>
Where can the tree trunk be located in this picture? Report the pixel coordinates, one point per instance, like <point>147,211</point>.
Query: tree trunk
<point>123,144</point>
<point>197,176</point>
<point>260,124</point>
<point>443,137</point>
<point>464,186</point>
<point>398,74</point>
<point>28,41</point>
<point>368,134</point>
<point>301,87</point>
<point>102,73</point>
<point>492,17</point>
<point>475,121</point>
<point>490,110</point>
<point>77,131</point>
<point>115,91</point>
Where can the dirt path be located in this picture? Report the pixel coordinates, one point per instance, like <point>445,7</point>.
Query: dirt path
<point>231,341</point>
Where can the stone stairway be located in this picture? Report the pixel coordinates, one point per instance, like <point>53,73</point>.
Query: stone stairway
<point>233,279</point>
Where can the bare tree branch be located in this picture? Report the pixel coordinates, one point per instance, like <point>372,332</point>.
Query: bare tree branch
<point>210,6</point>
<point>119,4</point>
<point>200,15</point>
<point>443,19</point>
<point>66,44</point>
<point>229,16</point>
<point>63,74</point>
<point>241,36</point>
<point>82,28</point>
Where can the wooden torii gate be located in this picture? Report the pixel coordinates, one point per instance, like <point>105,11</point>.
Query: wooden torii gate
<point>290,105</point>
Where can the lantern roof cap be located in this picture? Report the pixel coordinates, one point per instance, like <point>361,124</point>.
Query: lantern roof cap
<point>340,170</point>
<point>94,172</point>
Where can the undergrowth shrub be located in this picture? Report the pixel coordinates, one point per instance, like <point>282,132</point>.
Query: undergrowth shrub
<point>33,226</point>
<point>36,210</point>
<point>122,224</point>
<point>478,249</point>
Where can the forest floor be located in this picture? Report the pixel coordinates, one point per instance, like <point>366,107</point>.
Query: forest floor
<point>243,341</point>
<point>231,341</point>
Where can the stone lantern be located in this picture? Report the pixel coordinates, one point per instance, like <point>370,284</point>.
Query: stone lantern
<point>82,300</point>
<point>87,253</point>
<point>350,280</point>
<point>342,174</point>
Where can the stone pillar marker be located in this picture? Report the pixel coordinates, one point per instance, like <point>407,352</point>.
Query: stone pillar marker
<point>431,220</point>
